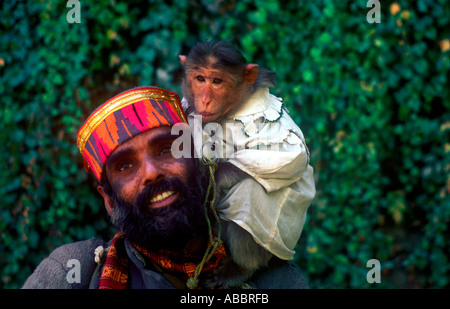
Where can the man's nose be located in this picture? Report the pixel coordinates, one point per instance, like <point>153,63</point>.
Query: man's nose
<point>152,172</point>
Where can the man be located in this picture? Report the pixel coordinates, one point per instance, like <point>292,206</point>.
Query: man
<point>154,200</point>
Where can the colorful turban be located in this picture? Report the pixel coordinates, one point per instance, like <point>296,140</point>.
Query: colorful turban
<point>123,117</point>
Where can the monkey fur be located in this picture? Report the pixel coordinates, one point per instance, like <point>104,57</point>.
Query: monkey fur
<point>245,256</point>
<point>222,68</point>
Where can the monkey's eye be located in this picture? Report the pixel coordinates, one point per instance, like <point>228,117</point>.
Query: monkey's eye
<point>200,78</point>
<point>217,81</point>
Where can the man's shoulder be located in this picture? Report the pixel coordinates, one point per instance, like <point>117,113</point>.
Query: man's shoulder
<point>80,250</point>
<point>280,275</point>
<point>53,271</point>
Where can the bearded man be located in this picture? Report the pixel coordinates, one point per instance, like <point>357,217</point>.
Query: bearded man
<point>156,202</point>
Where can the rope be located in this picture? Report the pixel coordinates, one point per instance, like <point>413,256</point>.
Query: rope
<point>214,242</point>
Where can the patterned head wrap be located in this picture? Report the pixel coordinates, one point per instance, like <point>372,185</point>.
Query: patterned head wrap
<point>123,117</point>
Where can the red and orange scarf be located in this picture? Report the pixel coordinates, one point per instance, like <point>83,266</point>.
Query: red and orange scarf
<point>115,271</point>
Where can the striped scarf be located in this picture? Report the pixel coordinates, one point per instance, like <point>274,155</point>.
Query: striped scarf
<point>115,271</point>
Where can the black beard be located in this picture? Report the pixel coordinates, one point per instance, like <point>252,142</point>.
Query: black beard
<point>169,227</point>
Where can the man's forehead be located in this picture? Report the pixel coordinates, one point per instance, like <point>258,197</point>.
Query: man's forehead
<point>150,137</point>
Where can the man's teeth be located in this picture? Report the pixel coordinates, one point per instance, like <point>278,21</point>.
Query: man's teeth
<point>161,196</point>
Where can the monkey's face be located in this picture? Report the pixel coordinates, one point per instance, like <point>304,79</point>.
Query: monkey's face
<point>213,93</point>
<point>216,91</point>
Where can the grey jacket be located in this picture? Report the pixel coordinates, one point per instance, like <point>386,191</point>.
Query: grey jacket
<point>57,271</point>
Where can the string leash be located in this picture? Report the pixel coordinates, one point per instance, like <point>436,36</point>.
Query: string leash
<point>214,241</point>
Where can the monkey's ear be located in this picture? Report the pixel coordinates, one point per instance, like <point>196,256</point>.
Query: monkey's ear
<point>251,73</point>
<point>183,59</point>
<point>109,203</point>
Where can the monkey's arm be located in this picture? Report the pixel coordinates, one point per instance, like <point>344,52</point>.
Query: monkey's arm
<point>273,169</point>
<point>226,176</point>
<point>267,145</point>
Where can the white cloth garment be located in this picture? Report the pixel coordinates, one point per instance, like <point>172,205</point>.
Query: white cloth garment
<point>262,140</point>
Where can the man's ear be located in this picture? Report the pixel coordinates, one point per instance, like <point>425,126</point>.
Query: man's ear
<point>251,73</point>
<point>109,203</point>
<point>183,60</point>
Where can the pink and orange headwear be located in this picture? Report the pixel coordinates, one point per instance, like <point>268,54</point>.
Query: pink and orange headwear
<point>123,117</point>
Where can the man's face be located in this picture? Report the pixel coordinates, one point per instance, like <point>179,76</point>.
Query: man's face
<point>145,160</point>
<point>155,199</point>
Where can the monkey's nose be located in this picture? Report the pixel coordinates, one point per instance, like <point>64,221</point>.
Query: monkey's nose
<point>206,96</point>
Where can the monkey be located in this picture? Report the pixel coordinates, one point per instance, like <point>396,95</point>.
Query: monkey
<point>232,80</point>
<point>217,82</point>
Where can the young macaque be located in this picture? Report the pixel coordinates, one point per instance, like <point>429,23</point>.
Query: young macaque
<point>266,185</point>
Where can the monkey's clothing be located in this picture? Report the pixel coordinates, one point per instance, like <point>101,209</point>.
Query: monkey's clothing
<point>261,139</point>
<point>72,266</point>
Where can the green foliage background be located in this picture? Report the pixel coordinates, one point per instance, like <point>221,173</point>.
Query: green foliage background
<point>371,99</point>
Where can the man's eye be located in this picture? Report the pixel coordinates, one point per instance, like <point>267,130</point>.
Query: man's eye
<point>200,78</point>
<point>217,81</point>
<point>123,167</point>
<point>166,149</point>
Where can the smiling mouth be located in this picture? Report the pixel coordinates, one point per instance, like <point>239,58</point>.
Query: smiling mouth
<point>163,199</point>
<point>161,196</point>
